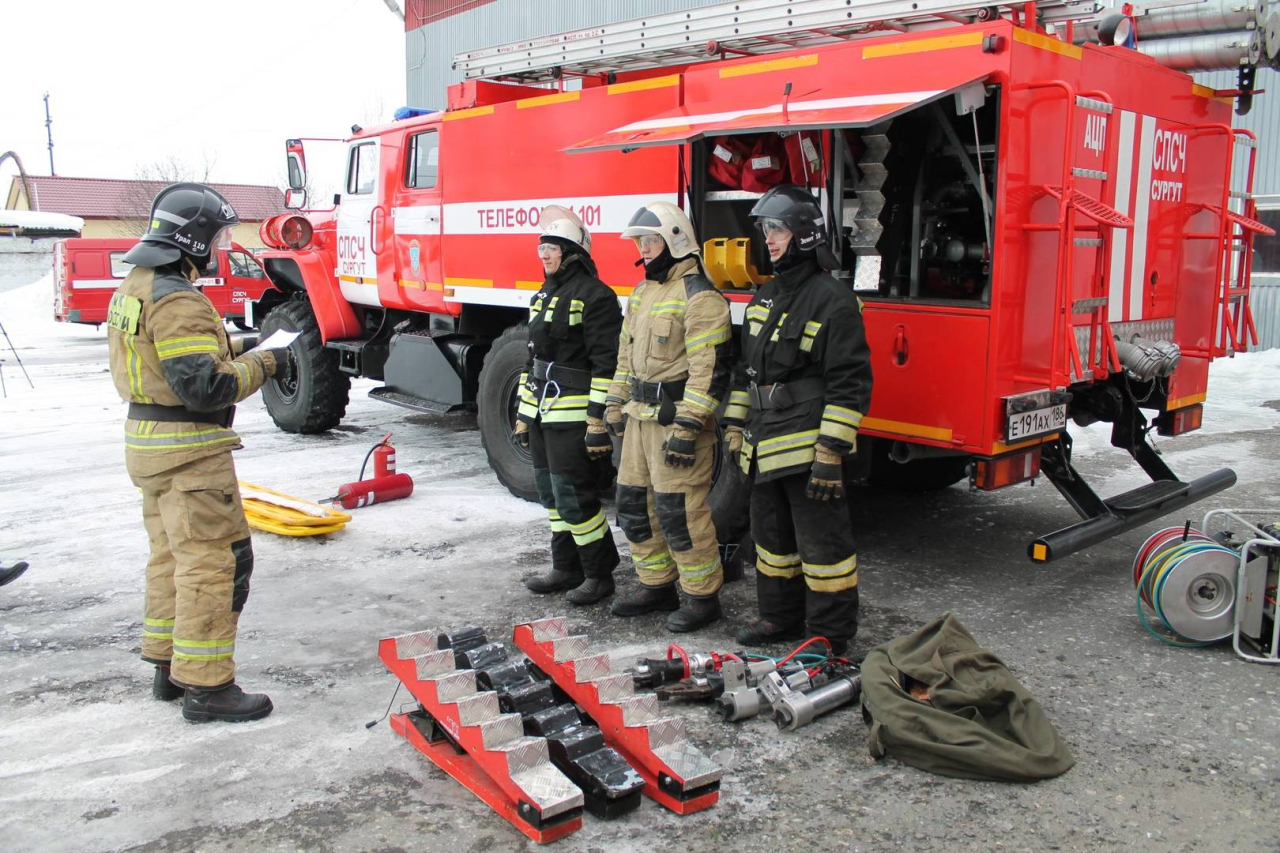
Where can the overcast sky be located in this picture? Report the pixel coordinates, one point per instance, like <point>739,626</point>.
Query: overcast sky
<point>136,82</point>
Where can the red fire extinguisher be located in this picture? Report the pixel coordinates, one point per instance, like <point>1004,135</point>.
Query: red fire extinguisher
<point>385,485</point>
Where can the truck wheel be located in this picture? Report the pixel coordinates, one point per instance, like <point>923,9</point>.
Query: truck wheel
<point>497,399</point>
<point>313,397</point>
<point>918,475</point>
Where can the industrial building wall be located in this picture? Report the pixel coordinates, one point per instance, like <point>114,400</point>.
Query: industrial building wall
<point>429,49</point>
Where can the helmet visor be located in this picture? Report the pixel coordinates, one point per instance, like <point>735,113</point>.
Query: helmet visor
<point>771,226</point>
<point>221,241</point>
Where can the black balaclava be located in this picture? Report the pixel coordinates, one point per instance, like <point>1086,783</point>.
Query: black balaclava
<point>656,269</point>
<point>795,266</point>
<point>570,253</point>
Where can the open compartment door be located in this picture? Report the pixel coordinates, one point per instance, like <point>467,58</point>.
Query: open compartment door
<point>724,111</point>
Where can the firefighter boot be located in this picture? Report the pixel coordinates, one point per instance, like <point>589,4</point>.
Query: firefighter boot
<point>164,689</point>
<point>699,611</point>
<point>228,704</point>
<point>762,632</point>
<point>554,581</point>
<point>591,591</point>
<point>647,600</point>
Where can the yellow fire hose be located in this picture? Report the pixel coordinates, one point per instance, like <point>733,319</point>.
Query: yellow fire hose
<point>286,515</point>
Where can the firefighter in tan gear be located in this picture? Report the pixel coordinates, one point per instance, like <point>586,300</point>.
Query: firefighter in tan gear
<point>801,386</point>
<point>673,369</point>
<point>574,321</point>
<point>171,362</point>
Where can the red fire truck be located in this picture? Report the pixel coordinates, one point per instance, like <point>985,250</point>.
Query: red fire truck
<point>1040,231</point>
<point>86,270</point>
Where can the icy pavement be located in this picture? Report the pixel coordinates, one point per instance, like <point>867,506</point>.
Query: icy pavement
<point>1176,749</point>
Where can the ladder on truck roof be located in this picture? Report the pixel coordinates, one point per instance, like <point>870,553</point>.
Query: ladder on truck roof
<point>745,27</point>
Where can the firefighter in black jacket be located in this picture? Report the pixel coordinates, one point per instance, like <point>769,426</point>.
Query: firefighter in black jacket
<point>574,322</point>
<point>800,388</point>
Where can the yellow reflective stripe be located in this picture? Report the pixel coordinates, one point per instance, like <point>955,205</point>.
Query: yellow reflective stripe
<point>839,432</point>
<point>158,623</point>
<point>621,376</point>
<point>754,327</point>
<point>134,362</point>
<point>659,311</point>
<point>204,649</point>
<point>602,383</point>
<point>701,570</point>
<point>706,339</point>
<point>779,561</point>
<point>669,303</point>
<point>700,401</point>
<point>191,350</point>
<point>528,410</point>
<point>600,397</point>
<point>833,585</point>
<point>157,629</point>
<point>778,461</point>
<point>657,561</point>
<point>851,417</point>
<point>558,525</point>
<point>757,312</point>
<point>832,570</point>
<point>771,571</point>
<point>589,531</point>
<point>168,343</point>
<point>811,327</point>
<point>242,379</point>
<point>783,442</point>
<point>576,401</point>
<point>151,440</point>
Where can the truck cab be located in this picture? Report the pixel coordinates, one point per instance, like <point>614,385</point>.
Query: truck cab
<point>86,270</point>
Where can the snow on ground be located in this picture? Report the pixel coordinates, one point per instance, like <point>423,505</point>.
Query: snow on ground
<point>89,762</point>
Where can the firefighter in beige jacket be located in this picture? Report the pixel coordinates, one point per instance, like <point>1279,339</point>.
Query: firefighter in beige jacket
<point>171,361</point>
<point>673,368</point>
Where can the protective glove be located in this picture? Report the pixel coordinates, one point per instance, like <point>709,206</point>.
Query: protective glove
<point>826,477</point>
<point>615,421</point>
<point>680,445</point>
<point>284,367</point>
<point>733,442</point>
<point>521,433</point>
<point>597,439</point>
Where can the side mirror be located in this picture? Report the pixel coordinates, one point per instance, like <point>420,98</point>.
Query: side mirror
<point>295,199</point>
<point>297,163</point>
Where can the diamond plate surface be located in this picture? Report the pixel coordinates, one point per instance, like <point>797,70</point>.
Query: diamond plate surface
<point>452,686</point>
<point>552,628</point>
<point>638,710</point>
<point>615,688</point>
<point>502,729</point>
<point>665,731</point>
<point>590,668</point>
<point>434,663</point>
<point>523,753</point>
<point>413,645</point>
<point>568,648</point>
<point>1152,330</point>
<point>688,763</point>
<point>477,708</point>
<point>549,789</point>
<point>866,275</point>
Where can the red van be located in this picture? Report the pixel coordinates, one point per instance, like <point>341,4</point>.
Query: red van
<point>86,270</point>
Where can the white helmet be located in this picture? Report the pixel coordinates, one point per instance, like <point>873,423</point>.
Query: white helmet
<point>561,223</point>
<point>667,221</point>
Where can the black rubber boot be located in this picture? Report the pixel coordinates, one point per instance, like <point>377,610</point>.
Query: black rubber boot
<point>227,704</point>
<point>10,572</point>
<point>762,632</point>
<point>839,647</point>
<point>554,581</point>
<point>697,612</point>
<point>590,591</point>
<point>164,689</point>
<point>648,599</point>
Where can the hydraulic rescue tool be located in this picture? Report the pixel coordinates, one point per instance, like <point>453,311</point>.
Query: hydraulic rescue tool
<point>676,773</point>
<point>1213,582</point>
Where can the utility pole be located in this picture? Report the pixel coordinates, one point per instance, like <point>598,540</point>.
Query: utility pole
<point>48,129</point>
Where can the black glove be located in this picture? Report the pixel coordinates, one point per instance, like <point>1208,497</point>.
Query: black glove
<point>284,364</point>
<point>680,446</point>
<point>614,420</point>
<point>599,445</point>
<point>826,477</point>
<point>521,433</point>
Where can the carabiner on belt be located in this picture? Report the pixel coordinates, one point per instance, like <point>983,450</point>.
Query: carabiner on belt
<point>543,405</point>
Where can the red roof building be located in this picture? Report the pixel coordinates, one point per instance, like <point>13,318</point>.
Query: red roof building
<point>119,208</point>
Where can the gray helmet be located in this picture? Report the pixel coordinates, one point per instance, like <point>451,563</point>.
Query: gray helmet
<point>186,219</point>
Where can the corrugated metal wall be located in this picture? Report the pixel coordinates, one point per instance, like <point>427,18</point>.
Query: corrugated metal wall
<point>1263,120</point>
<point>429,50</point>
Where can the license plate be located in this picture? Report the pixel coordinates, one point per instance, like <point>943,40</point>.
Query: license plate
<point>1036,422</point>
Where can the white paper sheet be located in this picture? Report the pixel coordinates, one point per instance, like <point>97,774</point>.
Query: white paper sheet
<point>278,339</point>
